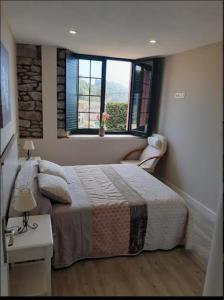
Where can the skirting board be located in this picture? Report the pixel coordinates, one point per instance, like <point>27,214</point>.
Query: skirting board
<point>203,223</point>
<point>202,209</point>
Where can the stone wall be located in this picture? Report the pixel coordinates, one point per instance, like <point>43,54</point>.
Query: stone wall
<point>29,79</point>
<point>61,59</point>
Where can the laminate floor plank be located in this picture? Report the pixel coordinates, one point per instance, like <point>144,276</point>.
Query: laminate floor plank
<point>156,273</point>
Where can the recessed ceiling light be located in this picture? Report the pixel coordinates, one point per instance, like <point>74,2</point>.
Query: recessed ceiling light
<point>72,31</point>
<point>152,41</point>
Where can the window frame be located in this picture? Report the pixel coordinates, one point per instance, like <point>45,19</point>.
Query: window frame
<point>153,97</point>
<point>103,59</point>
<point>89,130</point>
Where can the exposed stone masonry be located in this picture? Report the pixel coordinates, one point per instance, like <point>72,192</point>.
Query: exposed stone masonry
<point>29,79</point>
<point>61,59</point>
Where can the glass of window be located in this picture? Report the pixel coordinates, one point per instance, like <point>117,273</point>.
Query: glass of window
<point>94,122</point>
<point>95,87</point>
<point>96,68</point>
<point>118,76</point>
<point>83,86</point>
<point>83,103</point>
<point>95,104</point>
<point>84,68</point>
<point>83,120</point>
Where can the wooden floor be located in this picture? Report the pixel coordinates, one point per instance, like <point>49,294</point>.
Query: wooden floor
<point>158,273</point>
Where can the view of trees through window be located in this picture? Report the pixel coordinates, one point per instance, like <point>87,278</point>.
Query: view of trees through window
<point>118,77</point>
<point>117,90</point>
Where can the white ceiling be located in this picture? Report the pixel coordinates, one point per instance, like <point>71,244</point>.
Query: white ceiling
<point>117,28</point>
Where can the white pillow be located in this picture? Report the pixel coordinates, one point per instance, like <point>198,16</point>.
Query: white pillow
<point>48,167</point>
<point>154,142</point>
<point>54,187</point>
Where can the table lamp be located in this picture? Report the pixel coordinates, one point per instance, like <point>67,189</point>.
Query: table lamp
<point>28,145</point>
<point>25,202</point>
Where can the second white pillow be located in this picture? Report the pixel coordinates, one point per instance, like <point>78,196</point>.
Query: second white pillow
<point>48,167</point>
<point>54,187</point>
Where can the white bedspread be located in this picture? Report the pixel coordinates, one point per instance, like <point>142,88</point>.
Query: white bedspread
<point>167,211</point>
<point>116,210</point>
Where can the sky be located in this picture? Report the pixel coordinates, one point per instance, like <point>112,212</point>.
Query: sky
<point>117,71</point>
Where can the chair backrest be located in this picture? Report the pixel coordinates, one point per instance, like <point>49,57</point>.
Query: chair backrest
<point>157,146</point>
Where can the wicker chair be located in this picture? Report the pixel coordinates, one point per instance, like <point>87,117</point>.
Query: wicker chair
<point>148,157</point>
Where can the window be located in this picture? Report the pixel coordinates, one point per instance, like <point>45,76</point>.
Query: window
<point>143,94</point>
<point>89,93</point>
<point>117,96</point>
<point>122,88</point>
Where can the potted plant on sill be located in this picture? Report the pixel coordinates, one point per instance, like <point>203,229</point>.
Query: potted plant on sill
<point>105,118</point>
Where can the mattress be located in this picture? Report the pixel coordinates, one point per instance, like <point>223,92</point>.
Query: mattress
<point>116,210</point>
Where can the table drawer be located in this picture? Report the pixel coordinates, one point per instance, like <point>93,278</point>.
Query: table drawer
<point>26,254</point>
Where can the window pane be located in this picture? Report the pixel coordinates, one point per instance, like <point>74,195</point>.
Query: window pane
<point>145,91</point>
<point>137,70</point>
<point>118,76</point>
<point>94,122</point>
<point>134,115</point>
<point>96,68</point>
<point>83,103</point>
<point>141,97</point>
<point>83,120</point>
<point>137,79</point>
<point>143,123</point>
<point>143,119</point>
<point>146,77</point>
<point>84,86</point>
<point>95,87</point>
<point>144,105</point>
<point>95,104</point>
<point>84,67</point>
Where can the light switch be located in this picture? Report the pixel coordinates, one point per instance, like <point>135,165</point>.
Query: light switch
<point>179,95</point>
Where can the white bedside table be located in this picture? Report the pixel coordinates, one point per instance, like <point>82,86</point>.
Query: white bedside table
<point>30,258</point>
<point>22,160</point>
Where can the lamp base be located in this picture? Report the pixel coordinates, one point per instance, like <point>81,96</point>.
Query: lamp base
<point>26,224</point>
<point>28,155</point>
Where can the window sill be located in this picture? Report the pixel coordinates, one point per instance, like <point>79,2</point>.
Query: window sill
<point>106,137</point>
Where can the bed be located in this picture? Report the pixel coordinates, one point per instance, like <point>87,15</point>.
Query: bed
<point>115,210</point>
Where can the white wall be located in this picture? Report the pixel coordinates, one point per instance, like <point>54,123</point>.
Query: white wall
<point>5,136</point>
<point>214,276</point>
<point>8,41</point>
<point>73,150</point>
<point>193,126</point>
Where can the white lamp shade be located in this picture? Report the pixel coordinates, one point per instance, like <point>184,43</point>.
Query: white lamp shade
<point>24,200</point>
<point>28,145</point>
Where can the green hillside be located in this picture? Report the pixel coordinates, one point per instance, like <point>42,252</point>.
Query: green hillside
<point>115,92</point>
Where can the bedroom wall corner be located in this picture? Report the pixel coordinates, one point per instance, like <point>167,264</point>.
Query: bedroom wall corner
<point>193,125</point>
<point>194,130</point>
